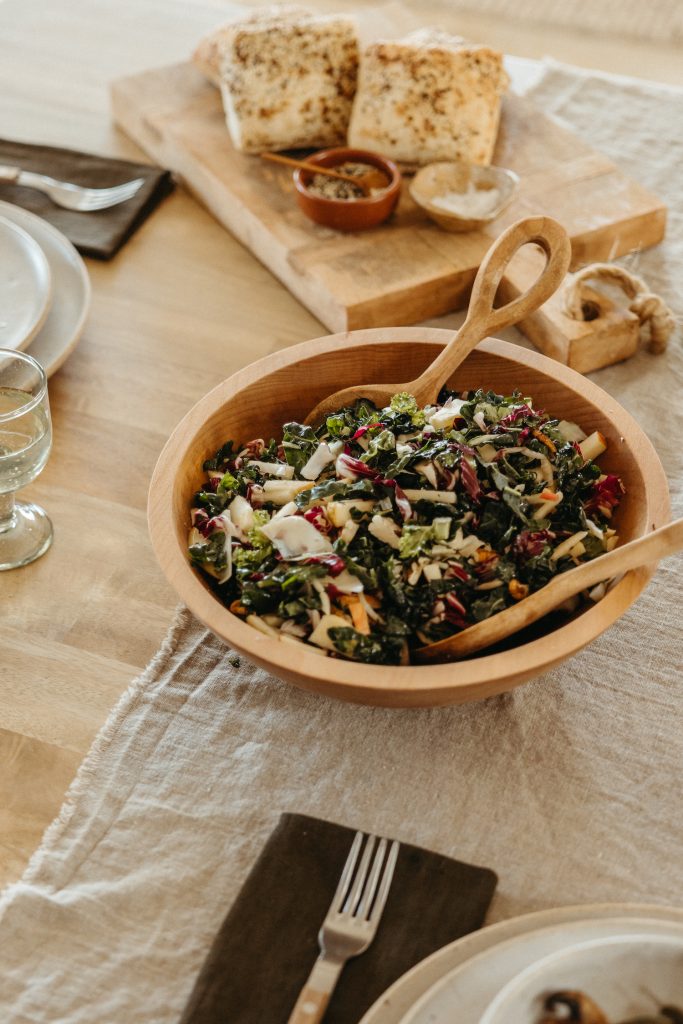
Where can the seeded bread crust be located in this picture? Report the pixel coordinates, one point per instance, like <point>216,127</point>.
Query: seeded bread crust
<point>208,55</point>
<point>430,96</point>
<point>289,83</point>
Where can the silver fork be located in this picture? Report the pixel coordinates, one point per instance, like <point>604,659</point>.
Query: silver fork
<point>351,922</point>
<point>72,197</point>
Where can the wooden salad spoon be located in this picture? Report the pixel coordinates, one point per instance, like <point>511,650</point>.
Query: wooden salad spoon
<point>642,551</point>
<point>482,317</point>
<point>365,182</point>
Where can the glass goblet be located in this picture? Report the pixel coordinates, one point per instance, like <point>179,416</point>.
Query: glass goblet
<point>25,441</point>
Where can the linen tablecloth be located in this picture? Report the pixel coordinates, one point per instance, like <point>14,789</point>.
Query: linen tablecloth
<point>569,787</point>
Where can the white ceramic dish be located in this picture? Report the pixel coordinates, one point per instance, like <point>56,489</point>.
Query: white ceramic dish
<point>66,317</point>
<point>627,975</point>
<point>468,990</point>
<point>431,975</point>
<point>25,286</point>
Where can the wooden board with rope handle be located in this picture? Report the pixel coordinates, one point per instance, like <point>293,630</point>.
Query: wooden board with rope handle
<point>583,327</point>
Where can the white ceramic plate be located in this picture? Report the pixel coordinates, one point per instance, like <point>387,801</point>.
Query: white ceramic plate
<point>467,990</point>
<point>70,289</point>
<point>25,283</point>
<point>630,973</point>
<point>431,973</point>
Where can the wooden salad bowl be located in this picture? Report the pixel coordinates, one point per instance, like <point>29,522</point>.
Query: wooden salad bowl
<point>258,400</point>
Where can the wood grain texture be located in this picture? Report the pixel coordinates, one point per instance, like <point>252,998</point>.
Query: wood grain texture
<point>181,307</point>
<point>256,401</point>
<point>483,318</point>
<point>396,273</point>
<point>29,799</point>
<point>648,549</point>
<point>310,1006</point>
<point>585,345</point>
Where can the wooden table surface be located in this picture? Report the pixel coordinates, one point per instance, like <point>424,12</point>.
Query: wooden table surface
<point>180,308</point>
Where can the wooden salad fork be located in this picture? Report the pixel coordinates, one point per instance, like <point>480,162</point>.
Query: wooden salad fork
<point>482,317</point>
<point>351,922</point>
<point>641,551</point>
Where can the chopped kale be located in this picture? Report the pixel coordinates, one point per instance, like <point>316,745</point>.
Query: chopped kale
<point>411,532</point>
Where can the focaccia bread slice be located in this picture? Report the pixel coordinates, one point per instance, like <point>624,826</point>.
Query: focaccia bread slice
<point>430,96</point>
<point>290,82</point>
<point>208,55</point>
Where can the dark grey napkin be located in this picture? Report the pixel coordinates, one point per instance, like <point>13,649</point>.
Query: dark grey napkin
<point>267,944</point>
<point>98,234</point>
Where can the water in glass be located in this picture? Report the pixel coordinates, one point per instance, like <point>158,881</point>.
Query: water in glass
<point>24,440</point>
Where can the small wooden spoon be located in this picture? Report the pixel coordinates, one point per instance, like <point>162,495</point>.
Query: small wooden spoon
<point>482,318</point>
<point>642,551</point>
<point>365,182</point>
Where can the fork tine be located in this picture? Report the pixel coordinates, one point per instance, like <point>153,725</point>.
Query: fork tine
<point>103,204</point>
<point>347,874</point>
<point>101,198</point>
<point>122,187</point>
<point>371,888</point>
<point>107,197</point>
<point>117,190</point>
<point>386,882</point>
<point>354,897</point>
<point>136,183</point>
<point>93,205</point>
<point>128,188</point>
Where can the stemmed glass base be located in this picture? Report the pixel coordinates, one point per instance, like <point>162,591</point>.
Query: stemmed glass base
<point>25,532</point>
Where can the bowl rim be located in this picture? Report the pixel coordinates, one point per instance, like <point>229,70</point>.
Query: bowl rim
<point>414,685</point>
<point>343,153</point>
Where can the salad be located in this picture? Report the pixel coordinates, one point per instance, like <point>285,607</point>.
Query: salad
<point>384,530</point>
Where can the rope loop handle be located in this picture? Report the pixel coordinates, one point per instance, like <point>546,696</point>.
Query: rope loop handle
<point>648,307</point>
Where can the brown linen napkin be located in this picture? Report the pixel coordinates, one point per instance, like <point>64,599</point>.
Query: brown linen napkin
<point>98,234</point>
<point>267,944</point>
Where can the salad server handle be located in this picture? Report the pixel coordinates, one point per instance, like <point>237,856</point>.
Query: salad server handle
<point>483,318</point>
<point>647,550</point>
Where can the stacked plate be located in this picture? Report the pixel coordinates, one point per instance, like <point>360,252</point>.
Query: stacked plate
<point>628,958</point>
<point>44,288</point>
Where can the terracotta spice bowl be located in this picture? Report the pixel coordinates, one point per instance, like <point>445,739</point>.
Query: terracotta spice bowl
<point>349,214</point>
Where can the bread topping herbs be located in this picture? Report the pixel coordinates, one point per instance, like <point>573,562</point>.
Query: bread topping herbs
<point>388,529</point>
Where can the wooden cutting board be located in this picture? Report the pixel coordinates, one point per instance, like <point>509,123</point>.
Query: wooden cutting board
<point>407,270</point>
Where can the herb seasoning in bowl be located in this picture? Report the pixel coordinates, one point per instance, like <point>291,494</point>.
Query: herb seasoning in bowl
<point>342,205</point>
<point>335,188</point>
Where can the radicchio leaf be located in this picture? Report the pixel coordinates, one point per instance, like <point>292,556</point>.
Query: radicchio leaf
<point>353,465</point>
<point>316,516</point>
<point>516,414</point>
<point>470,481</point>
<point>605,496</point>
<point>333,563</point>
<point>362,469</point>
<point>528,544</point>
